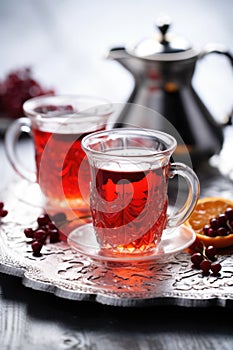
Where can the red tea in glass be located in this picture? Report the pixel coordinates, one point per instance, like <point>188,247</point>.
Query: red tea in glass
<point>129,209</point>
<point>62,168</point>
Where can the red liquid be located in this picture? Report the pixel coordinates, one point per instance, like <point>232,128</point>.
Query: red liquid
<point>58,160</point>
<point>129,208</point>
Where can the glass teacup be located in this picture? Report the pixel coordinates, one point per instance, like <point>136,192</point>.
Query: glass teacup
<point>130,171</point>
<point>57,125</point>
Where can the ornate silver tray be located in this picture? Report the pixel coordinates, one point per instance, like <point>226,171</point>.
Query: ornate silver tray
<point>67,274</point>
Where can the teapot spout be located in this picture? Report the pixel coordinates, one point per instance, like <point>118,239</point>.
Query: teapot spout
<point>120,55</point>
<point>117,53</point>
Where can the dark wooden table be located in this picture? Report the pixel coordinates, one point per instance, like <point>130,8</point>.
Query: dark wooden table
<point>35,320</point>
<point>58,41</point>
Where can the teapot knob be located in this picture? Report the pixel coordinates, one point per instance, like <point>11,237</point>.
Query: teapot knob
<point>163,24</point>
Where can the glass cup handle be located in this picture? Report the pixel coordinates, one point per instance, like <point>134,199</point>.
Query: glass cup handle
<point>11,140</point>
<point>182,214</point>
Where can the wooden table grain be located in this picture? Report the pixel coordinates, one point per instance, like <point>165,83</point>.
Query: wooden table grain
<point>36,320</point>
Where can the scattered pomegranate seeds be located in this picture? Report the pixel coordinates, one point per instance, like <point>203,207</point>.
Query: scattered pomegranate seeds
<point>221,225</point>
<point>47,231</point>
<point>205,260</point>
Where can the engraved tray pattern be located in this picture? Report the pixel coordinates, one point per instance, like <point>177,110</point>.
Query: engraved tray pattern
<point>67,274</point>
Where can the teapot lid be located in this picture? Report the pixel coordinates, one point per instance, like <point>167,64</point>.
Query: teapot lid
<point>165,47</point>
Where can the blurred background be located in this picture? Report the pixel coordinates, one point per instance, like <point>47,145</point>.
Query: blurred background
<point>65,42</point>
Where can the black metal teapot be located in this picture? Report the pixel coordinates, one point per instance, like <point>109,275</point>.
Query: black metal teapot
<point>163,68</point>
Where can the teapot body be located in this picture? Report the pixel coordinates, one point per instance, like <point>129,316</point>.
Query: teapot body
<point>166,87</point>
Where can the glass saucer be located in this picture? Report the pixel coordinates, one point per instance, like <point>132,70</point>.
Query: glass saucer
<point>83,240</point>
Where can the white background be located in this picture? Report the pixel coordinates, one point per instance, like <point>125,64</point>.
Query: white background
<point>65,42</point>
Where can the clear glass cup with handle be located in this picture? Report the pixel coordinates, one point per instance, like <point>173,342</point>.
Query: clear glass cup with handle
<point>57,125</point>
<point>130,172</point>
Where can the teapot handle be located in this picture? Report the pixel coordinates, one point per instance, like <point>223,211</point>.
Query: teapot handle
<point>219,49</point>
<point>216,48</point>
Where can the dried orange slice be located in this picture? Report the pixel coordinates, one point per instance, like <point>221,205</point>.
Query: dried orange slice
<point>206,209</point>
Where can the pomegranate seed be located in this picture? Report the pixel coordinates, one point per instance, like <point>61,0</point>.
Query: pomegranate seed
<point>52,226</point>
<point>36,248</point>
<point>215,267</point>
<point>43,220</point>
<point>211,232</point>
<point>229,213</point>
<point>206,229</point>
<point>40,235</point>
<point>196,259</point>
<point>205,266</point>
<point>54,236</point>
<point>210,252</point>
<point>214,223</point>
<point>3,213</point>
<point>29,233</point>
<point>222,219</point>
<point>221,231</point>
